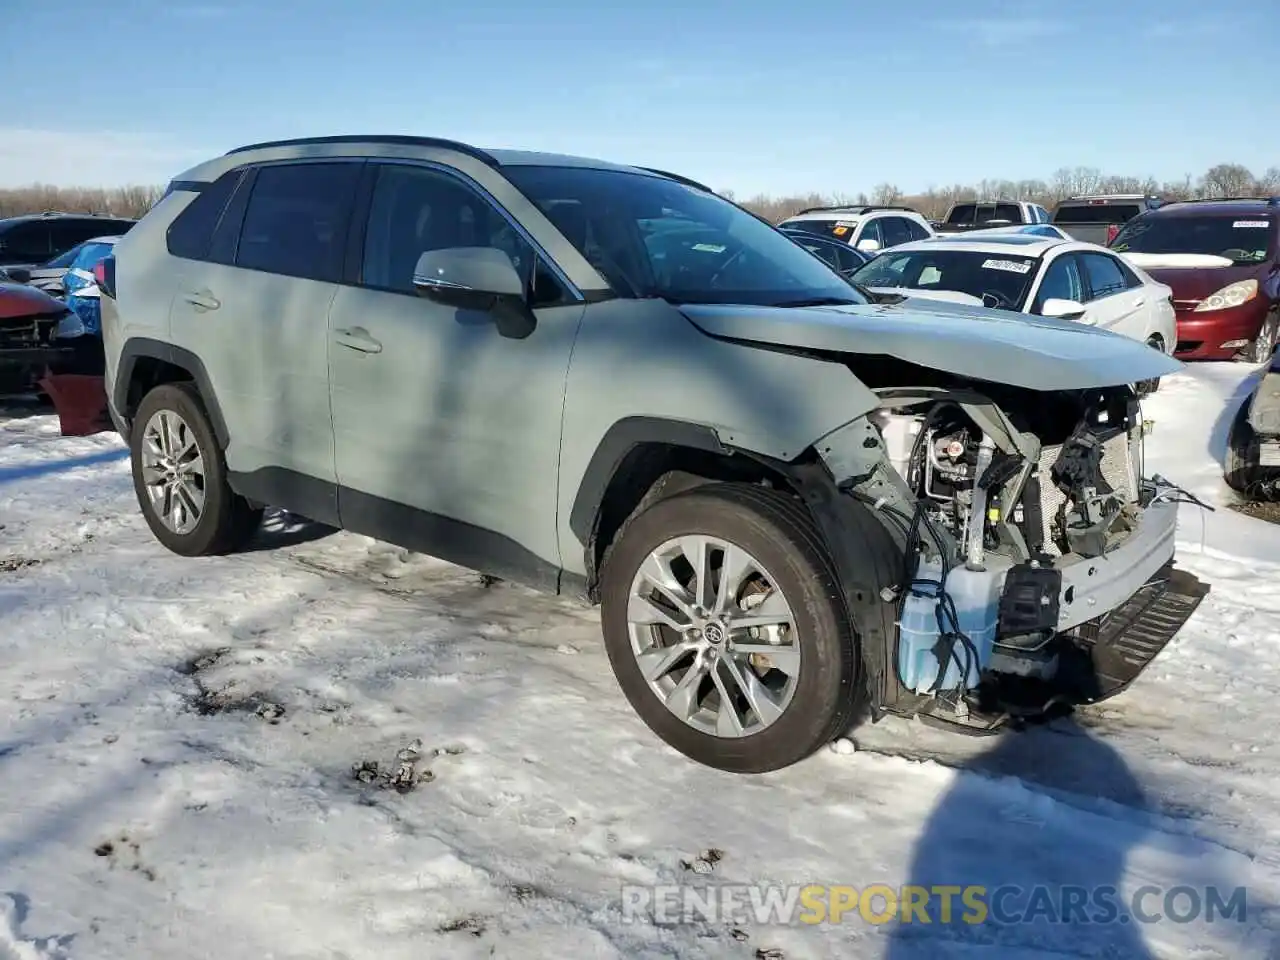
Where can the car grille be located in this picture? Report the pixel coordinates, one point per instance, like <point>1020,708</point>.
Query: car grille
<point>1120,468</point>
<point>22,333</point>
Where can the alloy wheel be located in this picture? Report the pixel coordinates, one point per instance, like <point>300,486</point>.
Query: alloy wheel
<point>173,471</point>
<point>714,637</point>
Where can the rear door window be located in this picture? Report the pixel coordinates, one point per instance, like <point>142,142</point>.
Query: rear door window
<point>1104,274</point>
<point>297,218</point>
<point>895,230</point>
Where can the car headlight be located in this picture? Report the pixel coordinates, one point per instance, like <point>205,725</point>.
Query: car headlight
<point>71,325</point>
<point>1232,295</point>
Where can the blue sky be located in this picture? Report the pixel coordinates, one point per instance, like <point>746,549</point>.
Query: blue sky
<point>753,96</point>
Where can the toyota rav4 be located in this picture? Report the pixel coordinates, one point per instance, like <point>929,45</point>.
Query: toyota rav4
<point>796,508</point>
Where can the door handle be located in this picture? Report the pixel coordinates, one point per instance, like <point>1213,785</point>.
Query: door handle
<point>358,338</point>
<point>202,300</point>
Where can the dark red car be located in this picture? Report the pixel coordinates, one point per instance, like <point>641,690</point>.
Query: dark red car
<point>1221,259</point>
<point>28,318</point>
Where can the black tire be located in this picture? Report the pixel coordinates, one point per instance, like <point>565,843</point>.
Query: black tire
<point>1264,344</point>
<point>1147,387</point>
<point>778,531</point>
<point>228,520</point>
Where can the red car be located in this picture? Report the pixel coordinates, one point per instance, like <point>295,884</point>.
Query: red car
<point>1221,259</point>
<point>28,318</point>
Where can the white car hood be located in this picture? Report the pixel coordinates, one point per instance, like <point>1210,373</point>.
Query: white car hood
<point>1037,353</point>
<point>1176,261</point>
<point>947,296</point>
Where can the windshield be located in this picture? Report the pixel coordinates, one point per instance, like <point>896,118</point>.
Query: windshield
<point>1241,239</point>
<point>1002,278</point>
<point>64,260</point>
<point>90,254</point>
<point>841,229</point>
<point>652,237</point>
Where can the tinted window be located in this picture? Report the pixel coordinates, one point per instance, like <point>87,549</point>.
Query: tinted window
<point>1097,213</point>
<point>1105,276</point>
<point>840,229</point>
<point>415,209</point>
<point>652,237</point>
<point>961,214</point>
<point>1004,279</point>
<point>895,230</point>
<point>296,221</point>
<point>872,231</point>
<point>918,232</point>
<point>1062,281</point>
<point>28,242</point>
<point>1240,238</point>
<point>191,230</point>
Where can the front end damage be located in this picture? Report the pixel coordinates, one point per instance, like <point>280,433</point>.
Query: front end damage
<point>1002,550</point>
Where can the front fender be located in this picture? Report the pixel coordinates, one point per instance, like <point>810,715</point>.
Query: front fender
<point>642,373</point>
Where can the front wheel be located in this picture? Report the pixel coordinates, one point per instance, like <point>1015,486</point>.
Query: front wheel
<point>180,476</point>
<point>1264,344</point>
<point>726,629</point>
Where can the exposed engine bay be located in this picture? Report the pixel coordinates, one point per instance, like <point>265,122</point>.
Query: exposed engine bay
<point>1027,526</point>
<point>1048,485</point>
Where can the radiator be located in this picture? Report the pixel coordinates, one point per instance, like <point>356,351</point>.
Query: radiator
<point>1120,468</point>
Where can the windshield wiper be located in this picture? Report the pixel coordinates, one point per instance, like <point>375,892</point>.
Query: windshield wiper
<point>819,302</point>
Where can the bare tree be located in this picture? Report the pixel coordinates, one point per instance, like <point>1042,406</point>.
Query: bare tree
<point>1228,180</point>
<point>885,194</point>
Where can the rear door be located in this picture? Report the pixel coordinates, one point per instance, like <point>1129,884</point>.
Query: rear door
<point>1116,298</point>
<point>255,310</point>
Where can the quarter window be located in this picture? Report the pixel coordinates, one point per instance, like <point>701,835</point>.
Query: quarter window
<point>27,242</point>
<point>189,234</point>
<point>296,221</point>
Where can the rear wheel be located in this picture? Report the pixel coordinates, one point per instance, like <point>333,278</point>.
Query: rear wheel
<point>180,476</point>
<point>725,628</point>
<point>1148,387</point>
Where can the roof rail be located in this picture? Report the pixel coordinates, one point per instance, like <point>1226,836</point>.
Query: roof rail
<point>390,139</point>
<point>1266,200</point>
<point>678,179</point>
<point>854,208</point>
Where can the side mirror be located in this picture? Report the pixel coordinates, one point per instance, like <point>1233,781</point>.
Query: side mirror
<point>476,278</point>
<point>18,274</point>
<point>1064,309</point>
<point>868,245</point>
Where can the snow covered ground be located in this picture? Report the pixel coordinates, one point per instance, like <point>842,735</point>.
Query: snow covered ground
<point>178,737</point>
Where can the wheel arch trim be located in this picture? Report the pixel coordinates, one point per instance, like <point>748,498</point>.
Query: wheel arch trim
<point>139,348</point>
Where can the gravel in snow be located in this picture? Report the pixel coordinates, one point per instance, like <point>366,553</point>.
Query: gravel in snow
<point>329,748</point>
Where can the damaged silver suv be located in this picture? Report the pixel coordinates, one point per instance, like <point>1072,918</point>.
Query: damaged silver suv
<point>794,505</point>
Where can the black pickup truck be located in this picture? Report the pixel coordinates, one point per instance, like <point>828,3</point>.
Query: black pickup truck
<point>1098,219</point>
<point>984,214</point>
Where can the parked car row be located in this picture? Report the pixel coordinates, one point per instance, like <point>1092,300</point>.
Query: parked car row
<point>1214,263</point>
<point>49,316</point>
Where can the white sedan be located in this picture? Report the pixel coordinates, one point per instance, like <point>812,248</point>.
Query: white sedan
<point>1044,276</point>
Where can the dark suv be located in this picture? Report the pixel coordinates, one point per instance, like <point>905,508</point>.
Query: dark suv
<point>32,240</point>
<point>1222,259</point>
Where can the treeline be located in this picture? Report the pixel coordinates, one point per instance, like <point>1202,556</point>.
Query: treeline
<point>1223,180</point>
<point>42,197</point>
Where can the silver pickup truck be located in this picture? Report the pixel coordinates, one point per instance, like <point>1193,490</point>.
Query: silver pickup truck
<point>1097,219</point>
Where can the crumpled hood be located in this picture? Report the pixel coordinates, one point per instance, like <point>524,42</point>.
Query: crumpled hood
<point>19,300</point>
<point>1037,353</point>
